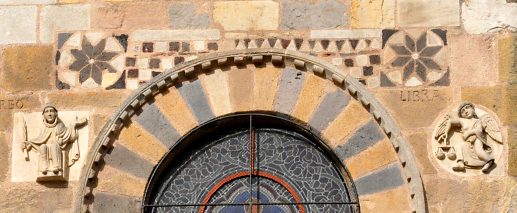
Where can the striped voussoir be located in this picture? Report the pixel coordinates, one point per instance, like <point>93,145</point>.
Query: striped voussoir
<point>307,89</point>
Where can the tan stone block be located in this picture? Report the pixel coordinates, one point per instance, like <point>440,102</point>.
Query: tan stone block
<point>375,157</point>
<point>27,68</point>
<point>12,103</point>
<point>241,89</point>
<point>142,142</point>
<point>472,60</point>
<point>247,15</point>
<point>71,1</point>
<point>117,182</point>
<point>428,13</point>
<point>216,87</point>
<point>155,14</point>
<point>499,99</point>
<point>109,16</point>
<point>4,155</point>
<point>512,150</point>
<point>413,108</point>
<point>176,110</point>
<point>373,14</point>
<point>507,49</point>
<point>87,99</point>
<point>351,118</point>
<point>419,141</point>
<point>394,200</point>
<point>314,89</point>
<point>266,86</point>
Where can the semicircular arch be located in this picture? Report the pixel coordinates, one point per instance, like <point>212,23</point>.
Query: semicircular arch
<point>347,116</point>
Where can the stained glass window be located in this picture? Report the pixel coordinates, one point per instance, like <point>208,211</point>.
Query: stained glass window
<point>250,163</point>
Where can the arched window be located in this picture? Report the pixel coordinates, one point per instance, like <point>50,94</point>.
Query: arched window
<point>250,163</point>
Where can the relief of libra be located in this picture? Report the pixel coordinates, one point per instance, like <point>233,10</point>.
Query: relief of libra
<point>47,143</point>
<point>468,141</point>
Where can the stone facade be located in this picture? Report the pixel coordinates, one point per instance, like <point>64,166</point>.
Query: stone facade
<point>373,79</point>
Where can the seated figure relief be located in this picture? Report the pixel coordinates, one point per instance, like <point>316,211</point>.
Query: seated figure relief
<point>465,141</point>
<point>56,145</point>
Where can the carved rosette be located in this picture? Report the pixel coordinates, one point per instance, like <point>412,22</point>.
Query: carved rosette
<point>467,141</point>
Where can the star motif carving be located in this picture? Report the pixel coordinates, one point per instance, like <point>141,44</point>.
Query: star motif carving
<point>91,60</point>
<point>415,56</point>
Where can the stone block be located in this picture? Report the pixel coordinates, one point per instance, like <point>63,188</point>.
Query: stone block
<point>25,2</point>
<point>183,15</point>
<point>106,202</point>
<point>266,86</point>
<point>428,13</point>
<point>156,124</point>
<point>240,82</point>
<point>395,200</point>
<point>109,16</point>
<point>28,126</point>
<point>177,111</point>
<point>500,99</point>
<point>472,60</point>
<point>18,24</point>
<point>115,181</point>
<point>27,68</point>
<point>107,100</point>
<point>313,91</point>
<point>404,104</point>
<point>168,35</point>
<point>418,142</point>
<point>155,14</point>
<point>371,159</point>
<point>512,150</point>
<point>12,103</point>
<point>373,14</point>
<point>216,85</point>
<point>4,156</point>
<point>246,15</point>
<point>326,14</point>
<point>63,18</point>
<point>142,142</point>
<point>337,34</point>
<point>480,16</point>
<point>507,51</point>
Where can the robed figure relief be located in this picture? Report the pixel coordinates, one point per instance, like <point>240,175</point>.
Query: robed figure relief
<point>468,141</point>
<point>56,144</point>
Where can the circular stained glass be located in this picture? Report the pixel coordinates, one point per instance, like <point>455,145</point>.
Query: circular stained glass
<point>250,163</point>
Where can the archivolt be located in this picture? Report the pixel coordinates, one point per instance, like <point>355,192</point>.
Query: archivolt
<point>258,57</point>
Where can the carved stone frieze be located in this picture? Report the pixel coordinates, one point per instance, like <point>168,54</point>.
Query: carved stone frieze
<point>468,141</point>
<point>48,146</point>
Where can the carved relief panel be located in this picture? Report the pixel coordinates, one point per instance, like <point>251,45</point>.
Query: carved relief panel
<point>468,141</point>
<point>49,146</point>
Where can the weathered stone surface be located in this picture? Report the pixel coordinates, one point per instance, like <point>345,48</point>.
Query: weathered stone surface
<point>419,142</point>
<point>128,161</point>
<point>365,137</point>
<point>107,16</point>
<point>356,33</point>
<point>479,16</point>
<point>291,83</point>
<point>140,141</point>
<point>373,14</point>
<point>4,153</point>
<point>106,202</point>
<point>383,179</point>
<point>472,60</point>
<point>329,108</point>
<point>373,158</point>
<point>176,110</point>
<point>507,51</point>
<point>404,104</point>
<point>114,181</point>
<point>350,119</point>
<point>183,15</point>
<point>428,13</point>
<point>34,197</point>
<point>499,99</point>
<point>154,122</point>
<point>194,94</point>
<point>81,99</point>
<point>154,13</point>
<point>266,86</point>
<point>25,2</point>
<point>63,18</point>
<point>27,68</point>
<point>241,86</point>
<point>11,103</point>
<point>246,15</point>
<point>512,150</point>
<point>167,35</point>
<point>394,200</point>
<point>216,85</point>
<point>18,24</point>
<point>323,14</point>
